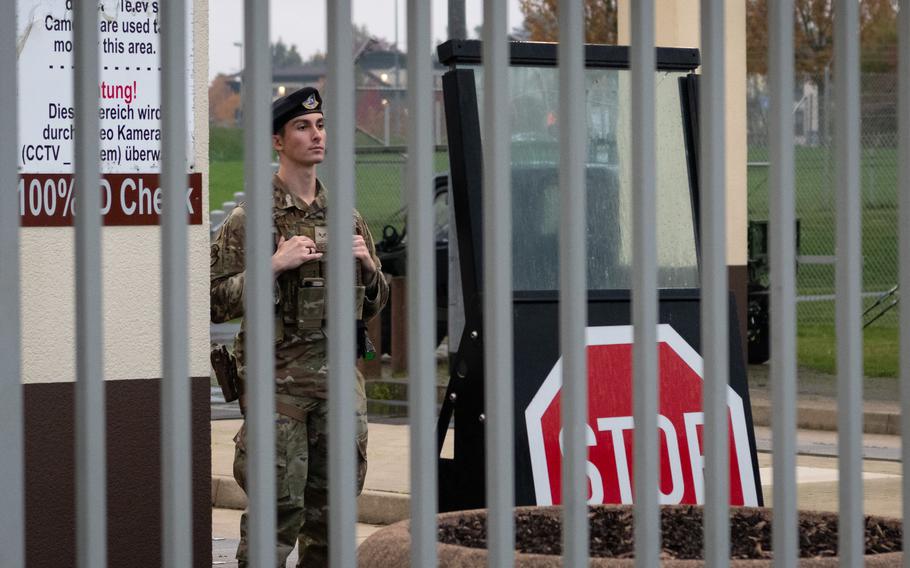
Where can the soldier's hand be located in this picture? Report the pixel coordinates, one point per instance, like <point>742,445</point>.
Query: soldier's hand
<point>362,254</point>
<point>293,252</point>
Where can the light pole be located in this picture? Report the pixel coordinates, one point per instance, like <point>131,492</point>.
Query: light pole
<point>397,78</point>
<point>397,64</point>
<point>457,25</point>
<point>239,45</point>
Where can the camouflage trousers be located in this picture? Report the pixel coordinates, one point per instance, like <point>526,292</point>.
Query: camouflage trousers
<point>301,451</point>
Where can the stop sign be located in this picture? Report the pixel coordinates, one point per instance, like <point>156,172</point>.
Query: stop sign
<point>610,425</point>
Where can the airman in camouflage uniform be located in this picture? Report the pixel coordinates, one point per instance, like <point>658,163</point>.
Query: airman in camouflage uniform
<point>299,202</point>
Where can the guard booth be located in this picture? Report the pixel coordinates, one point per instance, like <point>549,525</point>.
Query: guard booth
<point>533,104</point>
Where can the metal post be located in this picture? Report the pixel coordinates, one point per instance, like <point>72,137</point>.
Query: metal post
<point>848,274</point>
<point>644,288</point>
<point>259,306</point>
<point>421,286</point>
<point>457,27</point>
<point>783,282</point>
<point>904,244</point>
<point>385,122</point>
<point>497,308</point>
<point>437,130</point>
<point>12,466</point>
<point>342,449</point>
<point>91,506</point>
<point>714,312</point>
<point>176,470</point>
<point>573,287</point>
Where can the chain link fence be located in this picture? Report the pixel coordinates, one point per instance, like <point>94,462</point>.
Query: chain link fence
<point>815,178</point>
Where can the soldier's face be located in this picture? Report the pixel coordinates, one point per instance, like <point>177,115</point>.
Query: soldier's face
<point>302,140</point>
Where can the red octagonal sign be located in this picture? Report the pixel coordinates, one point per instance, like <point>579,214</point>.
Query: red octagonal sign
<point>610,425</point>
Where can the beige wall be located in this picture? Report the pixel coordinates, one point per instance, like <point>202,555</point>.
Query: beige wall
<point>131,281</point>
<point>677,25</point>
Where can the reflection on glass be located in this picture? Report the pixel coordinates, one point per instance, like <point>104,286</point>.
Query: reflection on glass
<point>535,180</point>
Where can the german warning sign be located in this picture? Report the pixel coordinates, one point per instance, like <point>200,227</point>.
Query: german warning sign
<point>129,103</point>
<point>610,426</point>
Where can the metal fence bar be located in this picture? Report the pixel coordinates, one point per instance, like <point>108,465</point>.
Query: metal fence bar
<point>714,340</point>
<point>175,387</point>
<point>12,466</point>
<point>573,288</point>
<point>848,278</point>
<point>259,306</point>
<point>497,308</point>
<point>421,284</point>
<point>903,36</point>
<point>783,282</point>
<point>91,480</point>
<point>342,449</point>
<point>644,288</point>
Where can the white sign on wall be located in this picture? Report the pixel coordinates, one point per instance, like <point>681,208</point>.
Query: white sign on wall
<point>129,92</point>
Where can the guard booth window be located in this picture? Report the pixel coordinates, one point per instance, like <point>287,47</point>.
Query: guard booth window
<point>535,180</point>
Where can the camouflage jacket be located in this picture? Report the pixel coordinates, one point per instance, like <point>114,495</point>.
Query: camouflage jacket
<point>301,358</point>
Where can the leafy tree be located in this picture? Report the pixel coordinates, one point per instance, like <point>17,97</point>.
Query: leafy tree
<point>318,57</point>
<point>284,55</point>
<point>542,21</point>
<point>879,36</point>
<point>224,101</point>
<point>814,36</point>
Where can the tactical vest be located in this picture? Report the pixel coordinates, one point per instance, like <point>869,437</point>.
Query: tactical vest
<point>303,290</point>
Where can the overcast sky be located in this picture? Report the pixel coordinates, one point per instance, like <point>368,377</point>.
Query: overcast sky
<point>302,22</point>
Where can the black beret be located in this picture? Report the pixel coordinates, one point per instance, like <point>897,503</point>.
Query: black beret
<point>300,102</point>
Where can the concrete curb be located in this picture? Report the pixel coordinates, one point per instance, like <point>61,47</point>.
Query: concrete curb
<point>383,507</point>
<point>825,418</point>
<point>373,507</point>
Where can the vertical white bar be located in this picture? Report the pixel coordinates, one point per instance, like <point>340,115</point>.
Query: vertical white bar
<point>259,306</point>
<point>903,36</point>
<point>715,342</point>
<point>644,286</point>
<point>91,480</point>
<point>573,305</point>
<point>12,466</point>
<point>497,286</point>
<point>421,286</point>
<point>848,275</point>
<point>175,386</point>
<point>783,282</point>
<point>342,449</point>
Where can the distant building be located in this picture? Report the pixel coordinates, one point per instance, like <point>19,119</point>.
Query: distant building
<point>381,80</point>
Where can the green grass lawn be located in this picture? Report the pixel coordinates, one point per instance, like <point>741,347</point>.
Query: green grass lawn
<point>817,340</point>
<point>815,208</point>
<point>815,171</point>
<point>225,178</point>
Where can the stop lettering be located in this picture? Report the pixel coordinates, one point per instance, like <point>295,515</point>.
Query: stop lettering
<point>610,425</point>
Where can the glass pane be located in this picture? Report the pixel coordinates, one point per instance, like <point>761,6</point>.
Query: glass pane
<point>535,180</point>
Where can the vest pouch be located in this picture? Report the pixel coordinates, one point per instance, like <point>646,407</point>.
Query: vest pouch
<point>279,329</point>
<point>311,304</point>
<point>359,295</point>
